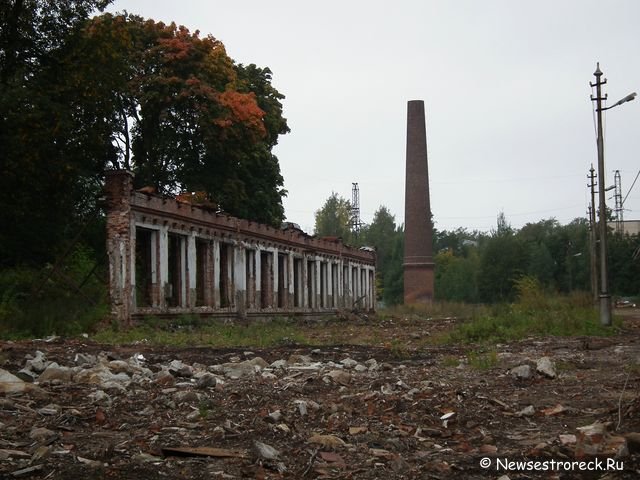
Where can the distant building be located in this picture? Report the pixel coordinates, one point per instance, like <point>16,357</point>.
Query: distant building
<point>628,227</point>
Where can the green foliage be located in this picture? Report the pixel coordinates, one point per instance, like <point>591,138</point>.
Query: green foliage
<point>50,171</point>
<point>66,301</point>
<point>541,264</point>
<point>456,277</point>
<point>393,284</point>
<point>459,242</point>
<point>258,334</point>
<point>198,122</point>
<point>31,29</point>
<point>380,233</point>
<point>502,261</point>
<point>388,240</point>
<point>474,267</point>
<point>398,349</point>
<point>450,361</point>
<point>79,96</point>
<point>332,220</point>
<point>530,293</point>
<point>482,360</point>
<point>535,314</point>
<point>624,266</point>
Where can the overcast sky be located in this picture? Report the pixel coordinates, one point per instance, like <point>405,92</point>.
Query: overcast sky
<point>510,126</point>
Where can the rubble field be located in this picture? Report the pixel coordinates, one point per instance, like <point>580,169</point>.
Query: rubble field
<point>398,409</point>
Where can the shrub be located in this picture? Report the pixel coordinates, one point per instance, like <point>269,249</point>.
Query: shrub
<point>64,301</point>
<point>535,313</point>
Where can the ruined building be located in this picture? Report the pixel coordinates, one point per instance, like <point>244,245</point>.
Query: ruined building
<point>168,257</point>
<point>418,229</point>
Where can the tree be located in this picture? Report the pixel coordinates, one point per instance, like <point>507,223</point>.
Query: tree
<point>457,241</point>
<point>32,29</point>
<point>624,265</point>
<point>502,262</point>
<point>393,284</point>
<point>380,234</point>
<point>124,92</point>
<point>456,276</point>
<point>199,122</point>
<point>332,220</point>
<point>541,264</point>
<point>43,169</point>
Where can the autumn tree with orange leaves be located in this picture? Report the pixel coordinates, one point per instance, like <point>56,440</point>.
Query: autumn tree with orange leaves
<point>185,116</point>
<point>120,91</point>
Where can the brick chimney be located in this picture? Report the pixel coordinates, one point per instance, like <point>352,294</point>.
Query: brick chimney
<point>418,229</point>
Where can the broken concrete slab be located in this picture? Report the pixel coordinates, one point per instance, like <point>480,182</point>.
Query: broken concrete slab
<point>546,367</point>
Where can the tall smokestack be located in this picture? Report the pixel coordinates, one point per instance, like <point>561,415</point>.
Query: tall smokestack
<point>418,230</point>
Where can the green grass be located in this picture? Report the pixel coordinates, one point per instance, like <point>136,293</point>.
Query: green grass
<point>450,361</point>
<point>258,334</point>
<point>481,360</point>
<point>557,316</point>
<point>439,309</point>
<point>398,349</point>
<point>536,313</point>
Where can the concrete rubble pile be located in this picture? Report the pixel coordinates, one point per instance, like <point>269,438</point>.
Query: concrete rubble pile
<point>288,413</point>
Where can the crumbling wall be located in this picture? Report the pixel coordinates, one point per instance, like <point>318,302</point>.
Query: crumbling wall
<point>170,257</point>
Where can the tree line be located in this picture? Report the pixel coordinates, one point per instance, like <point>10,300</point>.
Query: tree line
<point>481,267</point>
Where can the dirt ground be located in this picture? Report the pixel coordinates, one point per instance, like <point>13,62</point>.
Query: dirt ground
<point>397,409</point>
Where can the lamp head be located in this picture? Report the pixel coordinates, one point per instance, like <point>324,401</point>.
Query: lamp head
<point>626,99</point>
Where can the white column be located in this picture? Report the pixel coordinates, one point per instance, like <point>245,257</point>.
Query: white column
<point>329,303</point>
<point>305,282</point>
<point>155,301</point>
<point>131,268</point>
<point>182,302</point>
<point>318,291</point>
<point>154,256</point>
<point>340,300</point>
<point>239,276</point>
<point>292,277</point>
<point>164,264</point>
<point>350,286</point>
<point>367,297</point>
<point>275,279</point>
<point>258,275</point>
<point>216,274</point>
<point>361,288</point>
<point>372,287</point>
<point>191,269</point>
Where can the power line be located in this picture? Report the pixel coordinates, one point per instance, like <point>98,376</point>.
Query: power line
<point>634,182</point>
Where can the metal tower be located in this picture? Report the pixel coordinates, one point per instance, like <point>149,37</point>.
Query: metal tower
<point>354,220</point>
<point>617,183</point>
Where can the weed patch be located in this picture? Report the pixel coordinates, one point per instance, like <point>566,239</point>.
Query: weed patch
<point>482,360</point>
<point>259,335</point>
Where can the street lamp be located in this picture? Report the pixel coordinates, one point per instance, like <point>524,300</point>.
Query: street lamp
<point>626,99</point>
<point>605,296</point>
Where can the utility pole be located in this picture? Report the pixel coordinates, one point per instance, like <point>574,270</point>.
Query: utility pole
<point>592,235</point>
<point>605,297</point>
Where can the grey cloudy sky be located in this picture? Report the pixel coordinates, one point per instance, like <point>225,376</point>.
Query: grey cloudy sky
<point>505,83</point>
